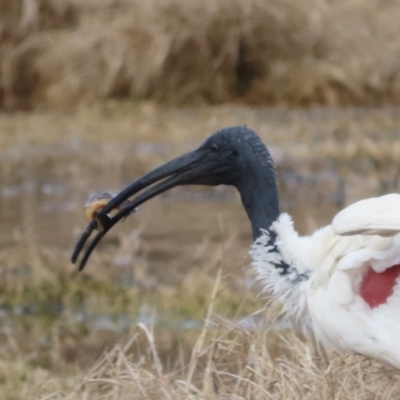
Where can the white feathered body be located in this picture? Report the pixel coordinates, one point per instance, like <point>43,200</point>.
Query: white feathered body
<point>318,278</point>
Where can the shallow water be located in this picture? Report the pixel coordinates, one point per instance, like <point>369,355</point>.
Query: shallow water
<point>42,194</point>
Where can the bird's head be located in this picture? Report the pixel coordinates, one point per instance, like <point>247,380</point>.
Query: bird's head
<point>232,156</point>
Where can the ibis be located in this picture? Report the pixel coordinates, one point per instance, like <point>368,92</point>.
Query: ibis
<point>343,281</point>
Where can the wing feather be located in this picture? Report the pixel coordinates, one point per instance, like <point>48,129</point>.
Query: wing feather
<point>374,216</point>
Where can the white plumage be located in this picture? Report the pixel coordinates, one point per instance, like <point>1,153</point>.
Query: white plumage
<point>335,277</point>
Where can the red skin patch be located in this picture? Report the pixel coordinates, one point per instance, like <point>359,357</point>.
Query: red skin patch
<point>376,287</point>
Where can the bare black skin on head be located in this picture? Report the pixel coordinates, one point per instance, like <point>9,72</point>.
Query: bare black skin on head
<point>233,156</point>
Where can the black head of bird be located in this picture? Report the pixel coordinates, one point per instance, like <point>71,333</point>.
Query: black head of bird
<point>233,156</point>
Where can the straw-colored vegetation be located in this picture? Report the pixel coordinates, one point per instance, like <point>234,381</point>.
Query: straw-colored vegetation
<point>235,364</point>
<point>222,360</point>
<point>55,53</point>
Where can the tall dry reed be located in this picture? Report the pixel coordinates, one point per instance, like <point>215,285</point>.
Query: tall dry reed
<point>231,363</point>
<point>293,52</point>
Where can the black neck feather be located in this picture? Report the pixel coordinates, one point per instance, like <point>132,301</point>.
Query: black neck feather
<point>258,189</point>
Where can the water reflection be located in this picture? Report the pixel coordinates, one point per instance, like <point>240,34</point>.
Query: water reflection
<point>46,195</point>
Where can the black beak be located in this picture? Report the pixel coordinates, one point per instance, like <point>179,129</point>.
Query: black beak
<point>191,168</point>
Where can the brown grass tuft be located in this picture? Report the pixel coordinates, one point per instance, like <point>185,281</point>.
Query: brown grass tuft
<point>236,364</point>
<point>174,51</point>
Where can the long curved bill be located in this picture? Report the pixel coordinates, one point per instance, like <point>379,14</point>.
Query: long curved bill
<point>180,171</point>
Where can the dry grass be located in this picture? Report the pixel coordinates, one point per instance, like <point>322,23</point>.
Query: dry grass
<point>222,361</point>
<point>272,52</point>
<point>239,365</point>
<point>229,363</point>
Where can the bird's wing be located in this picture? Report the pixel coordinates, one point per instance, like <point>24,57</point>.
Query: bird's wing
<point>375,216</point>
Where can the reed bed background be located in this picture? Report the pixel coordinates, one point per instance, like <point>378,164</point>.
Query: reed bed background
<point>290,52</point>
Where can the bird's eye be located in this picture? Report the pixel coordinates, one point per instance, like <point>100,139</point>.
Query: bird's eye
<point>214,148</point>
<point>235,153</point>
